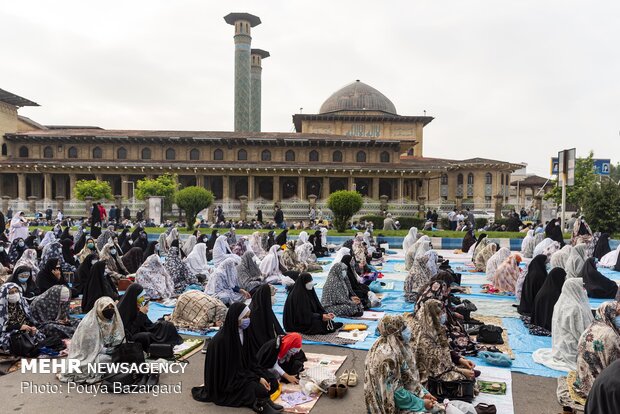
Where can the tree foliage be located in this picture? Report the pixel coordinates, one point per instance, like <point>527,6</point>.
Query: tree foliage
<point>602,207</point>
<point>98,190</point>
<point>585,180</point>
<point>193,200</point>
<point>614,172</point>
<point>344,204</point>
<point>163,186</point>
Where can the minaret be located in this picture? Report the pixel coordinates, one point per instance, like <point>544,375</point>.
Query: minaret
<point>257,56</point>
<point>242,22</point>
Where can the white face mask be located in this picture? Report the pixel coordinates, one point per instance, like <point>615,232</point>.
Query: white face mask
<point>13,297</point>
<point>256,260</point>
<point>309,285</point>
<point>443,318</point>
<point>65,295</point>
<point>112,252</point>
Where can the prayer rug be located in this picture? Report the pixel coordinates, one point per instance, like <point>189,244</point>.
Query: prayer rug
<point>503,403</point>
<point>505,347</point>
<point>330,339</point>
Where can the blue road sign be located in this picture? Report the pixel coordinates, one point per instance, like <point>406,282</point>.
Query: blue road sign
<point>601,167</point>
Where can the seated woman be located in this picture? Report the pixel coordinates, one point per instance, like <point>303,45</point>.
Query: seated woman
<point>15,316</point>
<point>610,259</point>
<point>23,276</point>
<point>527,245</point>
<point>30,260</point>
<point>483,256</point>
<point>424,268</point>
<point>560,258</point>
<point>264,326</point>
<point>94,341</point>
<point>483,241</point>
<point>17,248</point>
<point>598,347</point>
<point>533,281</point>
<point>582,234</point>
<point>83,273</point>
<point>391,381</point>
<point>319,249</point>
<point>419,248</point>
<point>603,397</point>
<point>305,255</point>
<point>231,377</point>
<point>99,284</point>
<point>410,238</point>
<point>52,251</point>
<point>302,238</point>
<point>138,326</point>
<point>221,250</point>
<point>132,260</point>
<point>256,245</point>
<point>303,311</point>
<point>154,278</point>
<point>89,248</point>
<point>50,311</point>
<point>280,240</point>
<point>544,303</point>
<point>196,261</point>
<point>189,244</point>
<point>197,311</point>
<point>248,273</point>
<point>571,316</point>
<point>224,285</point>
<point>51,275</point>
<point>110,254</point>
<point>597,285</point>
<point>507,274</point>
<point>182,277</point>
<point>601,248</point>
<point>69,265</point>
<point>282,357</point>
<point>151,249</point>
<point>289,259</point>
<point>107,236</point>
<point>338,296</point>
<point>497,259</point>
<point>431,348</point>
<point>272,269</point>
<point>362,291</point>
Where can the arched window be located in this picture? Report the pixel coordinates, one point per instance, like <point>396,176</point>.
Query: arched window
<point>97,152</point>
<point>470,178</point>
<point>313,156</point>
<point>444,179</point>
<point>265,155</point>
<point>489,178</point>
<point>242,155</point>
<point>146,153</point>
<point>23,152</point>
<point>459,179</point>
<point>361,156</point>
<point>337,156</point>
<point>289,156</point>
<point>121,153</point>
<point>384,157</point>
<point>218,155</point>
<point>48,152</point>
<point>73,152</point>
<point>194,154</point>
<point>171,154</point>
<point>4,149</point>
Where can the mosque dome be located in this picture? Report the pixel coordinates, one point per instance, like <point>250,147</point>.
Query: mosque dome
<point>357,96</point>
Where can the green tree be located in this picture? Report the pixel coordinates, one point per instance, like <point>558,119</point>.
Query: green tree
<point>614,172</point>
<point>585,179</point>
<point>163,186</point>
<point>344,204</point>
<point>602,207</point>
<point>193,200</point>
<point>98,190</point>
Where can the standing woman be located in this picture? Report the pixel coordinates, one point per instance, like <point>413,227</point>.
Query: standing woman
<point>95,222</point>
<point>231,378</point>
<point>138,326</point>
<point>99,285</point>
<point>264,326</point>
<point>19,227</point>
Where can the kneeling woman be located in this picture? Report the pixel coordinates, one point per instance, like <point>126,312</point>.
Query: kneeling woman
<point>303,311</point>
<point>338,295</point>
<point>231,377</point>
<point>94,340</point>
<point>138,326</point>
<point>15,316</point>
<point>282,357</point>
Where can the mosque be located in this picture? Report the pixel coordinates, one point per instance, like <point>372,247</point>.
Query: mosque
<point>356,141</point>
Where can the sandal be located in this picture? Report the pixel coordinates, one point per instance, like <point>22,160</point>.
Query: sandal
<point>352,382</point>
<point>344,378</point>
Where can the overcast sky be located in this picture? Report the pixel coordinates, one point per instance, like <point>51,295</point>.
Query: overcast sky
<point>510,80</point>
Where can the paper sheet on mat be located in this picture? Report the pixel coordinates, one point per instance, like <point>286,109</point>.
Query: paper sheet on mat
<point>503,403</point>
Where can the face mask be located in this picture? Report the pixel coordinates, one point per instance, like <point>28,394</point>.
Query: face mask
<point>65,295</point>
<point>273,300</point>
<point>256,260</point>
<point>20,244</point>
<point>1,249</point>
<point>113,252</point>
<point>244,323</point>
<point>23,279</point>
<point>108,313</point>
<point>13,297</point>
<point>443,318</point>
<point>90,245</point>
<point>617,321</point>
<point>406,333</point>
<point>309,285</point>
<point>94,261</point>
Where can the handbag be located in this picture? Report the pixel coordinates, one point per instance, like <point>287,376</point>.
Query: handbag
<point>165,351</point>
<point>462,390</point>
<point>23,344</point>
<point>129,352</point>
<point>490,334</point>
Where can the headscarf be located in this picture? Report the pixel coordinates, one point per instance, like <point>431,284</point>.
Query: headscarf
<point>480,244</point>
<point>495,261</point>
<point>47,239</point>
<point>528,245</point>
<point>15,251</point>
<point>128,305</point>
<point>343,251</point>
<point>410,238</point>
<point>93,335</point>
<point>85,251</point>
<point>99,285</point>
<point>603,397</point>
<point>248,272</point>
<point>546,298</point>
<point>197,260</point>
<point>559,258</point>
<point>602,246</point>
<point>67,255</point>
<point>132,259</point>
<point>83,272</point>
<point>105,237</point>
<point>24,308</point>
<point>154,278</point>
<point>30,288</point>
<point>483,256</point>
<point>576,261</point>
<point>581,232</point>
<point>304,253</point>
<point>507,274</point>
<point>423,244</point>
<point>189,244</point>
<point>281,239</point>
<point>182,277</point>
<point>270,265</point>
<point>173,234</point>
<point>256,244</point>
<point>536,275</point>
<point>469,240</point>
<point>150,250</point>
<point>221,250</point>
<point>611,258</point>
<point>48,307</point>
<point>597,285</point>
<point>264,325</point>
<point>113,263</point>
<point>302,238</point>
<point>29,259</point>
<point>163,244</point>
<point>419,275</point>
<point>197,311</point>
<point>212,239</point>
<point>223,282</point>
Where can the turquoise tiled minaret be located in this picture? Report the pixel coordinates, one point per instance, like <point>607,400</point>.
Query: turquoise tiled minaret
<point>255,107</point>
<point>243,23</point>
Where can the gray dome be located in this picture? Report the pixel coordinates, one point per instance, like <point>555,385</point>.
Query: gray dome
<point>357,96</point>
